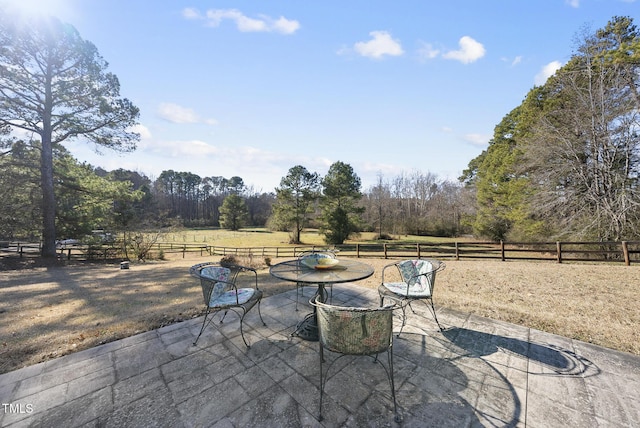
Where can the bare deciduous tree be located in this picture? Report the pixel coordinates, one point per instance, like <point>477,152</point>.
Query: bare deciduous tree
<point>585,150</point>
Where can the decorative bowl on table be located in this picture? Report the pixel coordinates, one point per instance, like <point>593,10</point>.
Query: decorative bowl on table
<point>320,263</point>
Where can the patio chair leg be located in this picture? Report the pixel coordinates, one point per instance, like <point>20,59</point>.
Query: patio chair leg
<point>435,317</point>
<point>260,314</point>
<point>412,310</point>
<point>404,317</point>
<point>204,323</point>
<point>321,385</point>
<point>398,417</point>
<point>241,330</point>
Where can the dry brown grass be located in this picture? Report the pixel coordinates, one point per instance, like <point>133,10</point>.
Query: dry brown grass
<point>46,312</point>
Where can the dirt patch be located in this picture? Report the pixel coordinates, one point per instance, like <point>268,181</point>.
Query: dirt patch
<point>47,311</point>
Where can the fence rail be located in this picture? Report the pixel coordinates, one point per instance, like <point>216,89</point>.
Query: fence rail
<point>626,252</point>
<point>614,251</point>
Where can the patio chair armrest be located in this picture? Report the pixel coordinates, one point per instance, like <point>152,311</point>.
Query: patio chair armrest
<point>440,267</point>
<point>384,268</point>
<point>253,271</point>
<point>238,269</point>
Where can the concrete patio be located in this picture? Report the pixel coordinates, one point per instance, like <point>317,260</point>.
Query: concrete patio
<point>477,372</point>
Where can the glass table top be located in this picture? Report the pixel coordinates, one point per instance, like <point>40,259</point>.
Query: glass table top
<point>346,270</point>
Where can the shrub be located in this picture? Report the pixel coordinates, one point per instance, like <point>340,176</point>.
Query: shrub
<point>245,260</point>
<point>229,260</point>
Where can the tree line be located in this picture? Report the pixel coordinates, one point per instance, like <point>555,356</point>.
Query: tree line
<point>90,198</point>
<point>564,164</point>
<point>415,203</point>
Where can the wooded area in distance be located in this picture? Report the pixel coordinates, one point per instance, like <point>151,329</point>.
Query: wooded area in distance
<point>562,166</point>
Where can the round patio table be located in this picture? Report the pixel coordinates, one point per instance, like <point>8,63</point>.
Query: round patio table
<point>294,271</point>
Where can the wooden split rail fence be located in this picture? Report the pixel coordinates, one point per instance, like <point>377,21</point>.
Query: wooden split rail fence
<point>626,252</point>
<point>623,251</point>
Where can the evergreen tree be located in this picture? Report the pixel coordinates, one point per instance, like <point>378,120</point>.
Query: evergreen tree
<point>55,85</point>
<point>233,212</point>
<point>340,210</point>
<point>294,200</point>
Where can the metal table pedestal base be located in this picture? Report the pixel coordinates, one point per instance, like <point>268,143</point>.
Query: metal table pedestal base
<point>307,329</point>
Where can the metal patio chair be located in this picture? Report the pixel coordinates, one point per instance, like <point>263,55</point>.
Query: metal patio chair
<point>316,254</point>
<point>221,293</point>
<point>417,280</point>
<point>356,332</point>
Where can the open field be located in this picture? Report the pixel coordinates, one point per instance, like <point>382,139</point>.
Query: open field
<point>260,237</point>
<point>260,242</point>
<point>49,311</point>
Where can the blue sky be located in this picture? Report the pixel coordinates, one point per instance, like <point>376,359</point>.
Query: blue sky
<point>253,88</point>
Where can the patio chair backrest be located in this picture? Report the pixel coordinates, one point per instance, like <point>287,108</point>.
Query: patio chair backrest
<point>420,275</point>
<point>211,276</point>
<point>354,331</point>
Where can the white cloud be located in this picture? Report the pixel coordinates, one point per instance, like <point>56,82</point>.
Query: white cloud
<point>573,3</point>
<point>513,62</point>
<point>427,51</point>
<point>178,114</point>
<point>477,139</point>
<point>180,149</point>
<point>191,13</point>
<point>145,133</point>
<point>286,26</point>
<point>344,50</point>
<point>470,51</point>
<point>243,23</point>
<point>380,45</point>
<point>546,72</point>
<point>263,23</point>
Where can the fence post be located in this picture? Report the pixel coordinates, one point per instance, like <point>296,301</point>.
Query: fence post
<point>357,251</point>
<point>457,251</point>
<point>559,251</point>
<point>625,253</point>
<point>502,249</point>
<point>384,247</point>
<point>418,249</point>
